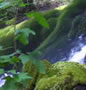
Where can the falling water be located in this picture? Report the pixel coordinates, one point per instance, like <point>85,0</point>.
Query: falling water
<point>78,55</point>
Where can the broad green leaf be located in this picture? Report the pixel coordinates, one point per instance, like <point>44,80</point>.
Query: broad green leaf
<point>15,60</point>
<point>23,34</point>
<point>26,31</point>
<point>10,58</point>
<point>12,71</point>
<point>23,39</point>
<point>34,57</point>
<point>24,58</point>
<point>39,18</point>
<point>22,76</point>
<point>5,59</point>
<point>39,65</point>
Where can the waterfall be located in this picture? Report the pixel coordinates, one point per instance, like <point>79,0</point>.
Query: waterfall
<point>78,53</point>
<point>78,56</point>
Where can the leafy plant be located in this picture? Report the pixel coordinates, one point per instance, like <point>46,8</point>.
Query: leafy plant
<point>14,80</point>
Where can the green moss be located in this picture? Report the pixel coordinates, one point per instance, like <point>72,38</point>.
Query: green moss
<point>78,26</point>
<point>6,39</point>
<point>45,32</point>
<point>52,13</point>
<point>32,70</point>
<point>69,14</point>
<point>63,75</point>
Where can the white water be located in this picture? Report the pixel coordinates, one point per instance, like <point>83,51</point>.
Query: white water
<point>78,56</point>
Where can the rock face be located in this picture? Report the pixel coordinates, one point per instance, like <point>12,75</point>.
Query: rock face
<point>59,76</point>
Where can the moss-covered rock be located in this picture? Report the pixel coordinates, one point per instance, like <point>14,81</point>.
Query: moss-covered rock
<point>7,37</point>
<point>32,70</point>
<point>63,76</point>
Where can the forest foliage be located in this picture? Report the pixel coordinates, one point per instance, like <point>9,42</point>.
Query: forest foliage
<point>15,79</point>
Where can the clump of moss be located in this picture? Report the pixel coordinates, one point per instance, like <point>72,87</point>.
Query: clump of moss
<point>63,75</point>
<point>32,70</point>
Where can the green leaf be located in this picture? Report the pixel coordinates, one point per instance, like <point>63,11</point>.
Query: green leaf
<point>23,4</point>
<point>39,65</point>
<point>15,60</point>
<point>10,58</point>
<point>22,76</point>
<point>23,39</point>
<point>39,18</point>
<point>34,57</point>
<point>12,71</point>
<point>5,59</point>
<point>24,58</point>
<point>23,34</point>
<point>1,71</point>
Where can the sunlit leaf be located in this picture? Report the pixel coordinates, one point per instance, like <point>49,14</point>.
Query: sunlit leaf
<point>39,18</point>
